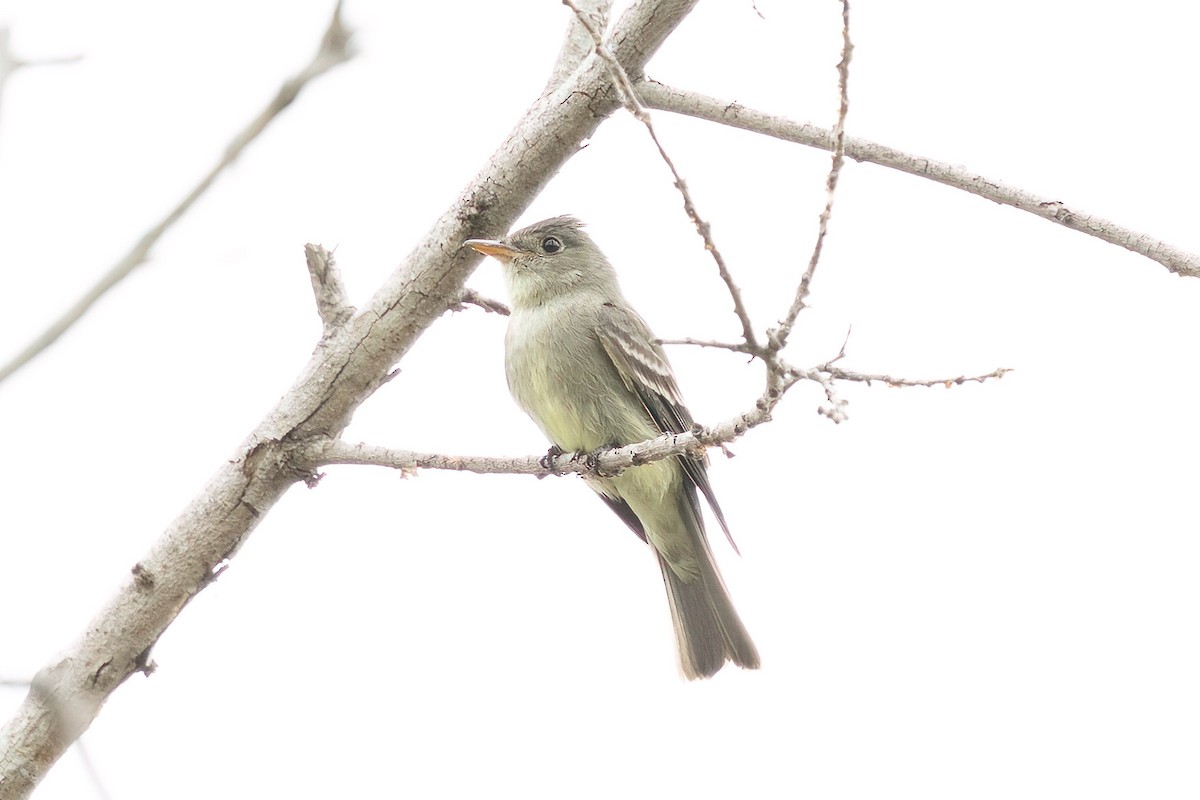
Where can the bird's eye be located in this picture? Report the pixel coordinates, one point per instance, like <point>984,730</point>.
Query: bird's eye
<point>551,245</point>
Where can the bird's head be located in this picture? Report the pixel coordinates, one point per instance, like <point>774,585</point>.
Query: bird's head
<point>547,260</point>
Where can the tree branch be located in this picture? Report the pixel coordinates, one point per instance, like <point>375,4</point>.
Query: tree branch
<point>629,99</point>
<point>605,462</point>
<point>666,98</point>
<point>736,347</point>
<point>10,63</point>
<point>868,378</point>
<point>334,50</point>
<point>608,462</point>
<point>328,289</point>
<point>577,44</point>
<point>340,375</point>
<point>470,297</point>
<point>777,338</point>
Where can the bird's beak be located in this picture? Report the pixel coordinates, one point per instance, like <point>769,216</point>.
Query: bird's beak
<point>492,247</point>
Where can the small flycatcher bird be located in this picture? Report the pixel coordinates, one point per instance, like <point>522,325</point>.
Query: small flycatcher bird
<point>587,369</point>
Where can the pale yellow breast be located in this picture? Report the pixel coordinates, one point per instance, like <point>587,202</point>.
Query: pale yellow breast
<point>561,376</point>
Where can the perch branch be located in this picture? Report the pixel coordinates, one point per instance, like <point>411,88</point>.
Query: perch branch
<point>606,462</point>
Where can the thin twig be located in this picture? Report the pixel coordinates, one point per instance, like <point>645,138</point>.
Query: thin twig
<point>629,99</point>
<point>868,378</point>
<point>665,98</point>
<point>777,338</point>
<point>334,50</point>
<point>737,347</point>
<point>10,63</point>
<point>470,297</point>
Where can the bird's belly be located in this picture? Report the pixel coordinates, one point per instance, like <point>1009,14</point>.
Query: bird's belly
<point>566,382</point>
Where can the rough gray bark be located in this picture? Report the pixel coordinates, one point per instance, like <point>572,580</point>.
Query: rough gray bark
<point>345,369</point>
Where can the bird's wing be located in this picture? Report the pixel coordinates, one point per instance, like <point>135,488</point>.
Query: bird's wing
<point>626,514</point>
<point>646,372</point>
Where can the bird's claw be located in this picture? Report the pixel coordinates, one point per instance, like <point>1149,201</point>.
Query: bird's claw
<point>592,460</point>
<point>547,461</point>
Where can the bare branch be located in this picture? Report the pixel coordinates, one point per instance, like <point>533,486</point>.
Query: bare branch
<point>334,50</point>
<point>869,378</point>
<point>777,338</point>
<point>328,289</point>
<point>606,461</point>
<point>836,410</point>
<point>612,461</point>
<point>10,63</point>
<point>737,347</point>
<point>470,297</point>
<point>620,77</point>
<point>665,98</point>
<point>340,375</point>
<point>629,99</point>
<point>409,461</point>
<point>577,44</point>
<point>826,374</point>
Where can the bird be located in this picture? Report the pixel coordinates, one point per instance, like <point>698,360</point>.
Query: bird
<point>587,369</point>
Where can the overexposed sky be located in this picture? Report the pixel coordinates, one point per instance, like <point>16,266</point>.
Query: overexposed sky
<point>988,591</point>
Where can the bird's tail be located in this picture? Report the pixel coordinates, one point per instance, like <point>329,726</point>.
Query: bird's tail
<point>708,630</point>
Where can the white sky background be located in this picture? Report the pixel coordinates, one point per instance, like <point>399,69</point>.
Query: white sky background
<point>988,591</point>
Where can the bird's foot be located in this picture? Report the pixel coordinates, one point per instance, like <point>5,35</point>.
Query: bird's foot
<point>592,460</point>
<point>547,461</point>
